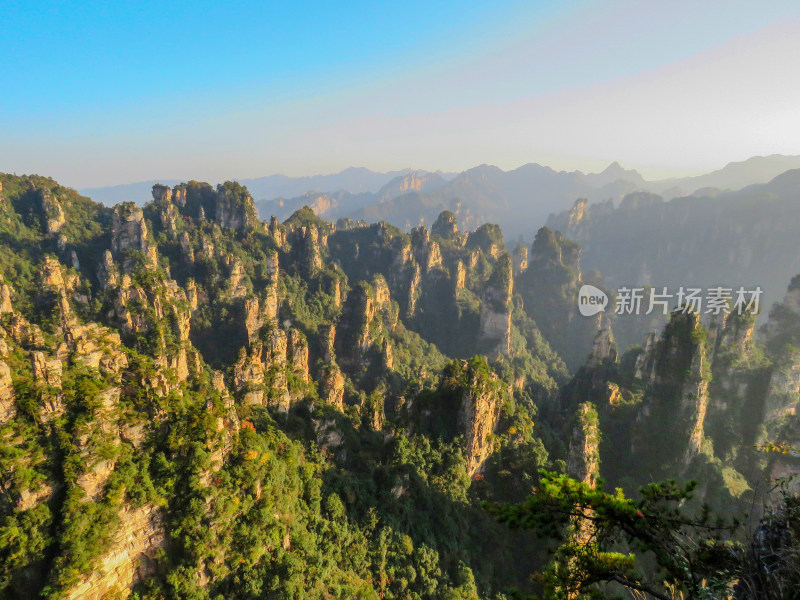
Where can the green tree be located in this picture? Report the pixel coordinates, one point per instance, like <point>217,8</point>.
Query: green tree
<point>654,545</point>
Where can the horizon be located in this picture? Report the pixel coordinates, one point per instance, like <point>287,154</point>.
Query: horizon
<point>418,170</point>
<point>102,95</point>
<point>399,301</point>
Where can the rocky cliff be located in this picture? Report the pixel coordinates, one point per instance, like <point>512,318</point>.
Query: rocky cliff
<point>583,459</point>
<point>478,414</point>
<point>188,395</point>
<point>549,288</point>
<point>730,238</point>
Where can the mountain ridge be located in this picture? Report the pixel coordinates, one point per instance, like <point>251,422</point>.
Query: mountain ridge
<point>193,399</point>
<point>775,163</point>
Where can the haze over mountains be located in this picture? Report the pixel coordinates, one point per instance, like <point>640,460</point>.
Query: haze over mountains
<point>183,383</point>
<point>354,180</point>
<point>736,238</point>
<point>731,227</point>
<point>520,200</point>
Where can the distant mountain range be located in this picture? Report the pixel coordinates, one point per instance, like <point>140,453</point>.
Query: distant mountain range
<point>737,238</point>
<point>734,176</point>
<point>354,180</point>
<point>520,200</point>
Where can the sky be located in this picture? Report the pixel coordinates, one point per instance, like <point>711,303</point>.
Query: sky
<point>103,93</point>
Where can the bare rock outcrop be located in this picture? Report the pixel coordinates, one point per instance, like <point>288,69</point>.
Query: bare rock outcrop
<point>136,540</point>
<point>47,377</point>
<point>162,194</point>
<point>8,409</point>
<point>277,231</point>
<point>311,251</point>
<point>583,462</point>
<point>414,282</point>
<point>5,299</point>
<point>297,355</point>
<point>672,415</point>
<point>107,272</point>
<point>333,387</point>
<point>426,251</point>
<point>446,225</point>
<point>129,232</point>
<point>520,259</point>
<point>494,335</point>
<point>604,350</point>
<point>234,207</point>
<point>260,374</point>
<point>97,469</point>
<point>478,415</point>
<point>237,280</point>
<point>368,317</point>
<point>161,310</point>
<point>53,218</point>
<point>549,290</point>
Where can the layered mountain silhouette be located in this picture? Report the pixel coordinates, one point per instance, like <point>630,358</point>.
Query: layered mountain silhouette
<point>520,199</point>
<point>354,180</point>
<point>712,238</point>
<point>198,403</point>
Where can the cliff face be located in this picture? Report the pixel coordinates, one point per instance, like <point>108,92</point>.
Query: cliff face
<point>8,409</point>
<point>426,251</point>
<point>151,359</point>
<point>129,233</point>
<point>454,290</point>
<point>155,313</point>
<point>549,289</point>
<point>674,407</point>
<point>79,367</point>
<point>211,406</point>
<point>446,226</point>
<point>780,381</point>
<point>583,459</point>
<point>478,413</point>
<point>495,324</point>
<point>368,318</point>
<point>234,207</point>
<point>734,239</point>
<point>73,365</point>
<point>723,396</point>
<point>52,211</point>
<point>136,539</point>
<point>689,401</point>
<point>736,392</point>
<point>273,371</point>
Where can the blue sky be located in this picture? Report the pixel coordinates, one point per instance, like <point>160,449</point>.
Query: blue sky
<point>97,93</point>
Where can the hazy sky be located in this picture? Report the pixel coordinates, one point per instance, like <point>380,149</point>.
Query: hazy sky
<point>99,93</point>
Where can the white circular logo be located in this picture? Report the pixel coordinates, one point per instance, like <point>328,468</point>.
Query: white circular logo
<point>591,300</point>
